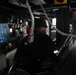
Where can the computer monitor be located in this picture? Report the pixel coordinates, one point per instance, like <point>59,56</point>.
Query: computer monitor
<point>4,32</point>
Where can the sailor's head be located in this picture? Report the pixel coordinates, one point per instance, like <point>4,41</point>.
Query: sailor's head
<point>40,25</point>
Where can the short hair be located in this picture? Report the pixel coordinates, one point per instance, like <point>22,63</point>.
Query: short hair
<point>39,23</point>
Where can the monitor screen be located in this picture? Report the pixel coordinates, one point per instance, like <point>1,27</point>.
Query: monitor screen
<point>3,33</point>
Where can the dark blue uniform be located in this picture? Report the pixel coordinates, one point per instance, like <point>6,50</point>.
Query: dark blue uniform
<point>39,50</point>
<point>42,48</point>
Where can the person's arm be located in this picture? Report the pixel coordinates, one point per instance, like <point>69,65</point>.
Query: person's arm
<point>20,49</point>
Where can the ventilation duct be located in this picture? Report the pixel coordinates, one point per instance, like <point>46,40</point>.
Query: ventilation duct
<point>38,2</point>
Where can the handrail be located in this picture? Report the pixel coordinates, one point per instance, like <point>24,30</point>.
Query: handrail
<point>10,69</point>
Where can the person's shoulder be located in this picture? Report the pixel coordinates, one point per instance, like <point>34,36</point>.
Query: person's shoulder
<point>25,38</point>
<point>48,37</point>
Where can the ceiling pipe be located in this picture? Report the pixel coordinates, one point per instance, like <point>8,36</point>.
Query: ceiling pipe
<point>31,37</point>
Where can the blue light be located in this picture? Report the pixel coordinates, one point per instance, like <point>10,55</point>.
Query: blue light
<point>3,34</point>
